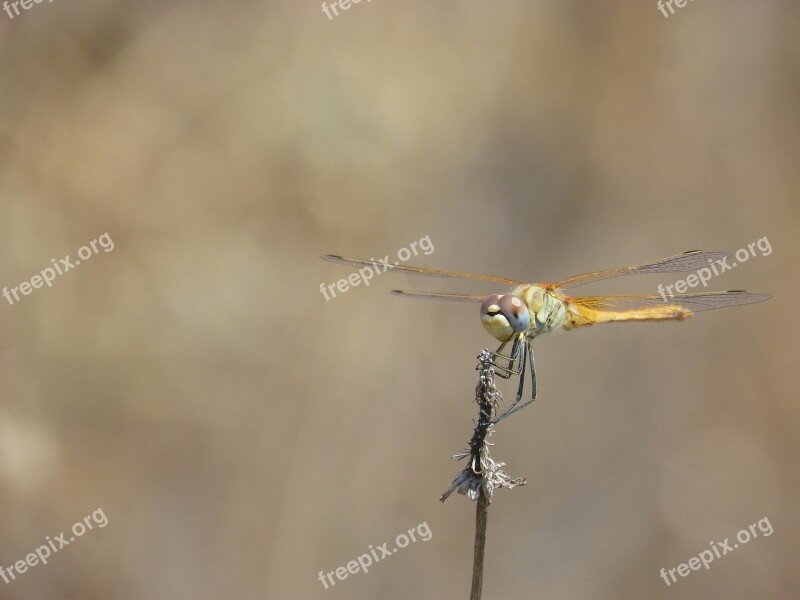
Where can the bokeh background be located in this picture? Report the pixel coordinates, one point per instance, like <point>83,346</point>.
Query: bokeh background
<point>242,434</point>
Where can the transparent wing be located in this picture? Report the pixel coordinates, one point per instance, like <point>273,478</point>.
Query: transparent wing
<point>688,261</point>
<point>435,296</point>
<point>380,267</point>
<point>588,310</point>
<point>690,302</point>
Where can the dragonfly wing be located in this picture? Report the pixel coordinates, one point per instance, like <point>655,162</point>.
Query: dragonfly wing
<point>588,310</point>
<point>435,296</point>
<point>382,267</point>
<point>688,261</point>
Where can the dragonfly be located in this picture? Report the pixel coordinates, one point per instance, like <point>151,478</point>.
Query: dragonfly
<point>527,310</point>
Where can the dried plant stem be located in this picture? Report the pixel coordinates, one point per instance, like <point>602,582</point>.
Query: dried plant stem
<point>481,518</point>
<point>482,475</point>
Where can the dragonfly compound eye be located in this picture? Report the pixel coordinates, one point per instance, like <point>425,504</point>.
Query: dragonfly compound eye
<point>503,316</point>
<point>515,311</point>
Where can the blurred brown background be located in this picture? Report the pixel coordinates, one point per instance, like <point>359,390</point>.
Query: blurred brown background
<point>242,434</point>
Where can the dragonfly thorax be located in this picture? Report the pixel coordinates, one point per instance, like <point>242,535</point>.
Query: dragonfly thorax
<point>547,311</point>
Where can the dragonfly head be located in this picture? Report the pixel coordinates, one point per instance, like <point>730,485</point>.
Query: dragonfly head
<point>505,316</point>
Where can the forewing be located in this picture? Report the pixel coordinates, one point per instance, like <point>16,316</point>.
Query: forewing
<point>688,261</point>
<point>436,296</point>
<point>380,267</point>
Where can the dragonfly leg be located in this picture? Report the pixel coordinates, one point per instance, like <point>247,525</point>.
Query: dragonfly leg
<point>521,387</point>
<point>506,371</point>
<point>514,408</point>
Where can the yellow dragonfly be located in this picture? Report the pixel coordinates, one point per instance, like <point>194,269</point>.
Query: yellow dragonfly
<point>528,310</point>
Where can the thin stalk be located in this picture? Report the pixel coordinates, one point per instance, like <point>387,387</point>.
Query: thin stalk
<point>481,519</point>
<point>482,475</point>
